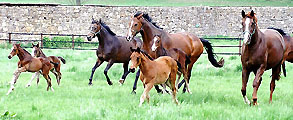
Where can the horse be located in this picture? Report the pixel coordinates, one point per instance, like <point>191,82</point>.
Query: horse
<point>27,63</point>
<point>151,74</point>
<point>37,52</point>
<point>112,48</point>
<point>262,50</point>
<point>288,56</point>
<point>187,42</point>
<point>177,55</point>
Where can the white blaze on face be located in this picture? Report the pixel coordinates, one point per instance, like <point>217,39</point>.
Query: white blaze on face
<point>154,47</point>
<point>33,52</point>
<point>129,35</point>
<point>246,33</point>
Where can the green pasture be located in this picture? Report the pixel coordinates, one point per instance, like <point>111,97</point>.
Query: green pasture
<point>164,2</point>
<point>216,93</point>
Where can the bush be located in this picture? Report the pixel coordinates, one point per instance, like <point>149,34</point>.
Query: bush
<point>65,42</point>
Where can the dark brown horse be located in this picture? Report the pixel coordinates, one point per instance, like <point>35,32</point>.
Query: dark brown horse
<point>177,55</point>
<point>28,63</point>
<point>153,72</point>
<point>112,48</point>
<point>37,52</point>
<point>187,42</point>
<point>262,50</point>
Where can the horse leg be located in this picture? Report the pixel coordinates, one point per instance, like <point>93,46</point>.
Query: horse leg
<point>177,82</point>
<point>33,77</point>
<point>276,75</point>
<point>109,65</point>
<point>14,78</point>
<point>145,93</point>
<point>256,83</point>
<point>56,75</point>
<point>172,79</point>
<point>125,73</point>
<point>47,77</point>
<point>165,90</point>
<point>38,77</point>
<point>135,81</point>
<point>245,76</point>
<point>98,63</point>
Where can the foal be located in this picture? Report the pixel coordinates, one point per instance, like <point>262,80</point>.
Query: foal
<point>177,55</point>
<point>27,63</point>
<point>153,72</point>
<point>37,52</point>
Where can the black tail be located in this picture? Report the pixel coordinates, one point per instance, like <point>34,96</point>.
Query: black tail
<point>63,60</point>
<point>55,64</point>
<point>187,61</point>
<point>284,69</point>
<point>279,30</point>
<point>211,54</point>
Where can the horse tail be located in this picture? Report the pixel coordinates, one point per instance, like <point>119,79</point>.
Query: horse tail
<point>55,64</point>
<point>178,65</point>
<point>284,69</point>
<point>63,60</point>
<point>211,54</point>
<point>187,60</point>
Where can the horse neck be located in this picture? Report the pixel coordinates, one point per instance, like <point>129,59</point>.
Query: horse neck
<point>42,54</point>
<point>22,54</point>
<point>256,38</point>
<point>161,51</point>
<point>104,37</point>
<point>145,62</point>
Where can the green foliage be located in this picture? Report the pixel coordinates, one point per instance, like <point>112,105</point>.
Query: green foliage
<point>66,42</point>
<point>7,115</point>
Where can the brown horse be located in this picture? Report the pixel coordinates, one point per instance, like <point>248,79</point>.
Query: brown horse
<point>151,74</point>
<point>27,63</point>
<point>177,55</point>
<point>262,50</point>
<point>289,47</point>
<point>187,42</point>
<point>112,48</point>
<point>37,52</point>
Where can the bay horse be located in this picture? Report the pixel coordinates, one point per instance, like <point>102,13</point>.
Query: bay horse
<point>37,52</point>
<point>262,50</point>
<point>177,55</point>
<point>112,48</point>
<point>187,42</point>
<point>162,70</point>
<point>28,63</point>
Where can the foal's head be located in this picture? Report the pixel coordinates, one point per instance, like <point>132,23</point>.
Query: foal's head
<point>135,59</point>
<point>14,50</point>
<point>135,25</point>
<point>157,42</point>
<point>36,50</point>
<point>95,29</point>
<point>249,24</point>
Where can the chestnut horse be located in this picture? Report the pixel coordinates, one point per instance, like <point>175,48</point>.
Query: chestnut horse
<point>37,52</point>
<point>28,63</point>
<point>187,42</point>
<point>151,74</point>
<point>177,55</point>
<point>262,50</point>
<point>112,48</point>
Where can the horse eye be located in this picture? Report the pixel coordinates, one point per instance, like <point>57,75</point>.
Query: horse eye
<point>158,41</point>
<point>135,24</point>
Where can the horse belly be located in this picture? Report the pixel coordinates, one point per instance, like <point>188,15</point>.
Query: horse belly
<point>34,66</point>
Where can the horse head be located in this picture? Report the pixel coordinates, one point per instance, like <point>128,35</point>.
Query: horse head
<point>249,24</point>
<point>135,25</point>
<point>157,42</point>
<point>14,50</point>
<point>95,29</point>
<point>36,50</point>
<point>135,59</point>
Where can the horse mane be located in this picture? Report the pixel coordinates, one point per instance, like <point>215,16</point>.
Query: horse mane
<point>25,51</point>
<point>146,54</point>
<point>279,30</point>
<point>148,18</point>
<point>107,28</point>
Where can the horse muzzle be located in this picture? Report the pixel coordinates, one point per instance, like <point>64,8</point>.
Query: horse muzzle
<point>9,56</point>
<point>89,38</point>
<point>132,70</point>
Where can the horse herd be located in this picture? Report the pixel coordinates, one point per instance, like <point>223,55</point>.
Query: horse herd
<point>161,56</point>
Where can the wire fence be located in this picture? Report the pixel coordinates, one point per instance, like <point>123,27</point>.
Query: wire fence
<point>79,45</point>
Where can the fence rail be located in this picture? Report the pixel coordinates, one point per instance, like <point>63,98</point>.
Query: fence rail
<point>73,42</point>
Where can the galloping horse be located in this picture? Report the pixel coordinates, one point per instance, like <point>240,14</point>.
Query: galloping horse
<point>37,52</point>
<point>262,50</point>
<point>177,55</point>
<point>112,48</point>
<point>151,74</point>
<point>187,42</point>
<point>27,63</point>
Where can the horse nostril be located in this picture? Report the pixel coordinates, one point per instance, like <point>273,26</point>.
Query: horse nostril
<point>9,57</point>
<point>132,70</point>
<point>89,38</point>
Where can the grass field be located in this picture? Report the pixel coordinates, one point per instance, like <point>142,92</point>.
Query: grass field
<point>216,93</point>
<point>166,2</point>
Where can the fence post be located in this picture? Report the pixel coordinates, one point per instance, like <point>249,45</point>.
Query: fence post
<point>9,38</point>
<point>239,46</point>
<point>41,40</point>
<point>72,41</point>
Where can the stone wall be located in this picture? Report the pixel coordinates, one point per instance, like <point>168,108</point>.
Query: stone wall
<point>203,21</point>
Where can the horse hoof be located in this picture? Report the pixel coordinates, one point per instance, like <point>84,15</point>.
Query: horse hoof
<point>110,83</point>
<point>27,85</point>
<point>133,92</point>
<point>121,81</point>
<point>90,84</point>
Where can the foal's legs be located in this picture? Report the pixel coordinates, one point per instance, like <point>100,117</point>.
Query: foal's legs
<point>15,77</point>
<point>98,63</point>
<point>135,84</point>
<point>256,83</point>
<point>37,74</point>
<point>145,93</point>
<point>109,65</point>
<point>47,77</point>
<point>275,76</point>
<point>172,79</point>
<point>125,73</point>
<point>245,76</point>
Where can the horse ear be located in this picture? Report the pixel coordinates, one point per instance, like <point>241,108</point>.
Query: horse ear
<point>138,49</point>
<point>37,45</point>
<point>243,14</point>
<point>252,13</point>
<point>17,45</point>
<point>33,44</point>
<point>132,50</point>
<point>138,17</point>
<point>100,20</point>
